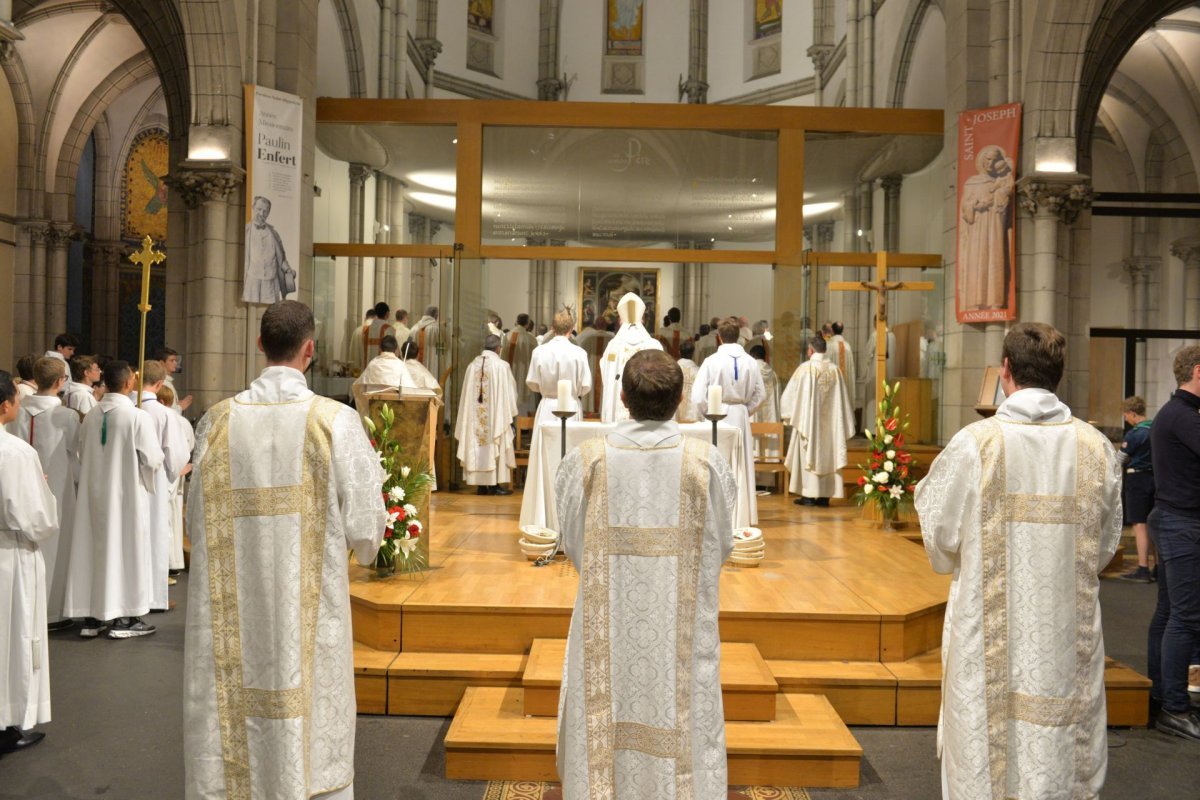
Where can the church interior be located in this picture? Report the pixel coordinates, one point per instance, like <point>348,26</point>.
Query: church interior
<point>793,163</point>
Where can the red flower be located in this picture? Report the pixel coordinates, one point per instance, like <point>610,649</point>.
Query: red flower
<point>904,458</point>
<point>891,424</point>
<point>912,487</point>
<point>903,472</point>
<point>414,531</point>
<point>372,443</point>
<point>387,533</point>
<point>899,440</point>
<point>862,480</point>
<point>876,464</point>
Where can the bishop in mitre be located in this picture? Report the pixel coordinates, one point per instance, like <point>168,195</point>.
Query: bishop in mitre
<point>427,333</point>
<point>52,430</point>
<point>485,421</point>
<point>632,337</point>
<point>640,713</point>
<point>268,660</point>
<point>1024,509</point>
<point>516,351</point>
<point>816,403</point>
<point>110,576</point>
<point>28,519</point>
<point>593,340</point>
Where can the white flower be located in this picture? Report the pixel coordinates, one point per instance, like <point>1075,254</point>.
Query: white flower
<point>868,433</point>
<point>881,477</point>
<point>890,454</point>
<point>896,492</point>
<point>887,439</point>
<point>392,517</point>
<point>868,488</point>
<point>405,471</point>
<point>382,458</point>
<point>407,546</point>
<point>410,510</point>
<point>888,466</point>
<point>396,494</point>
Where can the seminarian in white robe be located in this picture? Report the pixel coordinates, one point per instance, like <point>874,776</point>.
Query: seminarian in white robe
<point>742,392</point>
<point>110,574</point>
<point>1025,510</point>
<point>176,453</point>
<point>52,430</point>
<point>516,351</point>
<point>631,338</point>
<point>79,398</point>
<point>183,432</point>
<point>816,403</point>
<point>427,333</point>
<point>268,659</point>
<point>558,359</point>
<point>593,341</point>
<point>28,518</point>
<point>640,712</point>
<point>485,416</point>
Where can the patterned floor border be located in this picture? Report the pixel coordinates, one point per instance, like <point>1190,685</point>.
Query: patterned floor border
<point>537,790</point>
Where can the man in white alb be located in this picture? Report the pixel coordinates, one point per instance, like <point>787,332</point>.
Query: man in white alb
<point>631,338</point>
<point>485,416</point>
<point>427,333</point>
<point>420,376</point>
<point>79,394</point>
<point>517,348</point>
<point>386,371</point>
<point>355,352</point>
<point>1024,509</point>
<point>816,403</point>
<point>400,326</point>
<point>557,359</point>
<point>593,340</point>
<point>687,409</point>
<point>742,392</point>
<point>268,678</point>
<point>640,710</point>
<point>707,343</point>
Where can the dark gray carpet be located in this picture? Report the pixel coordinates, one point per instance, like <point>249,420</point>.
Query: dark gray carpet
<point>116,733</point>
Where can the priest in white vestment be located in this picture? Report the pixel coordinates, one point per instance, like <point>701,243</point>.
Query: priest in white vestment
<point>816,403</point>
<point>742,392</point>
<point>427,333</point>
<point>687,408</point>
<point>558,359</point>
<point>1024,509</point>
<point>400,327</point>
<point>640,711</point>
<point>631,338</point>
<point>766,446</point>
<point>486,412</point>
<point>110,575</point>
<point>516,351</point>
<point>268,684</point>
<point>78,394</point>
<point>841,354</point>
<point>593,340</point>
<point>52,430</point>
<point>28,518</point>
<point>385,371</point>
<point>671,334</point>
<point>373,332</point>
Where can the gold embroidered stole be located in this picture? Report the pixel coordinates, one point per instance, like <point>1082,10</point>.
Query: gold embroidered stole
<point>842,359</point>
<point>999,509</point>
<point>223,505</point>
<point>601,541</point>
<point>594,399</point>
<point>421,345</point>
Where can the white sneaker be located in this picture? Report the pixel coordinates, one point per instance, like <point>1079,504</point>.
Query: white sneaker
<point>1194,678</point>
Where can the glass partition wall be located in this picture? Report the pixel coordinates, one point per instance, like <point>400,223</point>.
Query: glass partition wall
<point>514,207</point>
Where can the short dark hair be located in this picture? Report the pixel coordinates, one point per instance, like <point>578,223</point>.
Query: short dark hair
<point>758,351</point>
<point>25,366</point>
<point>285,327</point>
<point>388,344</point>
<point>8,389</point>
<point>116,375</point>
<point>705,330</point>
<point>163,353</point>
<point>491,342</point>
<point>729,330</point>
<point>382,309</point>
<point>687,348</point>
<point>370,313</point>
<point>837,328</point>
<point>65,340</point>
<point>409,349</point>
<point>1134,405</point>
<point>401,315</point>
<point>674,314</point>
<point>1036,353</point>
<point>80,365</point>
<point>653,385</point>
<point>522,320</point>
<point>817,343</point>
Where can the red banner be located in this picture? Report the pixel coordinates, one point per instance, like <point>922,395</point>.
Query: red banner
<point>986,264</point>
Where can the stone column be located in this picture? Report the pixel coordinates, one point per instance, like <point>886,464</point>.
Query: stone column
<point>866,28</point>
<point>426,39</point>
<point>1051,199</point>
<point>387,48</point>
<point>356,290</point>
<point>40,233</point>
<point>418,233</point>
<point>695,88</point>
<point>820,55</point>
<point>106,261</point>
<point>58,239</point>
<point>543,285</point>
<point>383,204</point>
<point>398,295</point>
<point>694,297</point>
<point>1187,250</point>
<point>550,84</point>
<point>851,60</point>
<point>891,212</point>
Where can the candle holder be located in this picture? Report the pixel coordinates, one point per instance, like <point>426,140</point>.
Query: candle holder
<point>714,419</point>
<point>563,417</point>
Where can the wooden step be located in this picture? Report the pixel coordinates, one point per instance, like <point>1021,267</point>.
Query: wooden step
<point>806,745</point>
<point>370,678</point>
<point>747,687</point>
<point>862,692</point>
<point>432,684</point>
<point>1127,695</point>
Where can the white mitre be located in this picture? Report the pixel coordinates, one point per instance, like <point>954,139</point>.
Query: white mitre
<point>631,309</point>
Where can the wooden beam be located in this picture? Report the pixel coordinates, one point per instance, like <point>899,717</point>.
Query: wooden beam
<point>627,254</point>
<point>468,199</point>
<point>789,199</point>
<point>346,250</point>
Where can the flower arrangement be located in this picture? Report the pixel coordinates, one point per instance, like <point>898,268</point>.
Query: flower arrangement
<point>885,478</point>
<point>403,489</point>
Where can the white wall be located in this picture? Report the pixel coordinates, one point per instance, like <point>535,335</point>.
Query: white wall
<point>333,79</point>
<point>926,87</point>
<point>730,31</point>
<point>516,27</point>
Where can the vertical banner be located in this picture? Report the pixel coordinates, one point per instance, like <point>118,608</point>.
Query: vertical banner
<point>273,180</point>
<point>986,285</point>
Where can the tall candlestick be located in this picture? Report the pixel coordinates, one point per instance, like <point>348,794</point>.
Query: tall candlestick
<point>564,396</point>
<point>715,406</point>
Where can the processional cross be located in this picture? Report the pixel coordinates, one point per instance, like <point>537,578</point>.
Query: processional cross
<point>145,258</point>
<point>881,286</point>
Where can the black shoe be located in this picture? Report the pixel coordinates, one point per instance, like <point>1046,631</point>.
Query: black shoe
<point>92,627</point>
<point>823,502</point>
<point>481,490</point>
<point>500,490</point>
<point>1154,573</point>
<point>130,627</point>
<point>1139,575</point>
<point>14,739</point>
<point>174,572</point>
<point>61,625</point>
<point>1185,725</point>
<point>805,501</point>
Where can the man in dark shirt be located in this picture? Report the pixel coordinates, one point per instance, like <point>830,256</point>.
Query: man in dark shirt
<point>1175,531</point>
<point>1138,486</point>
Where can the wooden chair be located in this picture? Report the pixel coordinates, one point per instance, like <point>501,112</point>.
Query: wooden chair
<point>778,464</point>
<point>523,425</point>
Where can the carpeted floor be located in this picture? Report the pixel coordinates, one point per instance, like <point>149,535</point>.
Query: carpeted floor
<point>116,733</point>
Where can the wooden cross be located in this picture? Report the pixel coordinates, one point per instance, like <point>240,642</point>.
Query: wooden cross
<point>145,258</point>
<point>881,286</point>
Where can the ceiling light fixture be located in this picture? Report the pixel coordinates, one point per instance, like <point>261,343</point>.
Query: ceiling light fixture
<point>433,179</point>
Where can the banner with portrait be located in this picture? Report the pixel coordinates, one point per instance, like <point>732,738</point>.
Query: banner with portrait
<point>986,264</point>
<point>273,182</point>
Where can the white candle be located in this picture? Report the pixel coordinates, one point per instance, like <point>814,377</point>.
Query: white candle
<point>564,396</point>
<point>715,406</point>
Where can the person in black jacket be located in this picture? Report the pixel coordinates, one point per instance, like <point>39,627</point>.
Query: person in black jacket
<point>1138,488</point>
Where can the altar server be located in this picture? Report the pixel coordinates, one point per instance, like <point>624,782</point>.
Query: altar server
<point>631,338</point>
<point>111,576</point>
<point>742,392</point>
<point>268,670</point>
<point>427,333</point>
<point>516,351</point>
<point>183,430</point>
<point>593,340</point>
<point>641,713</point>
<point>816,403</point>
<point>78,394</point>
<point>374,331</point>
<point>485,421</point>
<point>52,430</point>
<point>28,518</point>
<point>558,359</point>
<point>687,409</point>
<point>1024,509</point>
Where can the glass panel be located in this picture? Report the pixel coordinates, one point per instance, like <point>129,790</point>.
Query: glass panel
<point>463,299</point>
<point>331,377</point>
<point>622,188</point>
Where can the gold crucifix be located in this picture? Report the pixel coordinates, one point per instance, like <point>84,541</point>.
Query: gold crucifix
<point>881,286</point>
<point>145,258</point>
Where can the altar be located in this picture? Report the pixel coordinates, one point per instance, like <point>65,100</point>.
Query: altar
<point>538,501</point>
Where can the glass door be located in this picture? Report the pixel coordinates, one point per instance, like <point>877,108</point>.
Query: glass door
<point>462,297</point>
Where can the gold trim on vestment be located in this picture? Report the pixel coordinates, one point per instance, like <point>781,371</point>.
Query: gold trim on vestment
<point>657,742</point>
<point>223,504</point>
<point>1089,489</point>
<point>1049,712</point>
<point>1042,509</point>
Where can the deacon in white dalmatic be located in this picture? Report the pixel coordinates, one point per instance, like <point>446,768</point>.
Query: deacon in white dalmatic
<point>816,403</point>
<point>516,351</point>
<point>593,341</point>
<point>631,338</point>
<point>558,359</point>
<point>268,659</point>
<point>28,518</point>
<point>485,416</point>
<point>52,430</point>
<point>111,572</point>
<point>742,392</point>
<point>640,713</point>
<point>1024,509</point>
